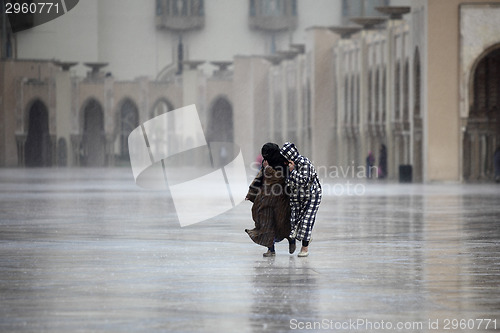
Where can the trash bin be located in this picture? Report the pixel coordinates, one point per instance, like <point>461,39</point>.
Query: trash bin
<point>405,173</point>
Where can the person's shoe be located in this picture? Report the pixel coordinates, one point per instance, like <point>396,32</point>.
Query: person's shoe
<point>269,253</point>
<point>303,254</point>
<point>291,247</point>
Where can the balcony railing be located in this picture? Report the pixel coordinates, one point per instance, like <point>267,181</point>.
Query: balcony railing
<point>273,15</point>
<point>180,15</point>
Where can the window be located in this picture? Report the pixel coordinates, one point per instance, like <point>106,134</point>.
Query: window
<point>273,15</point>
<point>397,91</point>
<point>406,93</point>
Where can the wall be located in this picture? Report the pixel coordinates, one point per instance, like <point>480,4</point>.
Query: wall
<point>443,146</point>
<point>444,74</point>
<point>71,37</point>
<point>123,33</point>
<point>322,120</point>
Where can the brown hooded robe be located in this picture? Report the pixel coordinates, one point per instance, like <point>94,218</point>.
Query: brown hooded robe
<point>271,208</point>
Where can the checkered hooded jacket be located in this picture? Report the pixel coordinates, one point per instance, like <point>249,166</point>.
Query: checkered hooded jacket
<point>305,193</point>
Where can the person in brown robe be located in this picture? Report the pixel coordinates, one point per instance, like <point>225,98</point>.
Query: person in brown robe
<point>271,204</point>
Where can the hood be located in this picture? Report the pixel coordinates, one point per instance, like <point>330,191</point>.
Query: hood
<point>269,149</point>
<point>271,153</point>
<point>290,152</point>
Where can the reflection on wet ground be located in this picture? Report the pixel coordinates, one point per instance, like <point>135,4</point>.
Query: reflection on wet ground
<point>87,250</point>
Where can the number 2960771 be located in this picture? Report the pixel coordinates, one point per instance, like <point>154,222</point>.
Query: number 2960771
<point>28,7</point>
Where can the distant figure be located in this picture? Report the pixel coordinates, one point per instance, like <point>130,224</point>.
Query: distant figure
<point>370,161</point>
<point>496,158</point>
<point>382,165</point>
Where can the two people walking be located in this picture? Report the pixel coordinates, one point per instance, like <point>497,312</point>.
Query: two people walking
<point>286,195</point>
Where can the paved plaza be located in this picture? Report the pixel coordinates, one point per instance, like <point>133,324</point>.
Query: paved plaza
<point>86,250</point>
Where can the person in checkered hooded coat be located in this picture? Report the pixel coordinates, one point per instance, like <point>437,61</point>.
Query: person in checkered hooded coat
<point>305,195</point>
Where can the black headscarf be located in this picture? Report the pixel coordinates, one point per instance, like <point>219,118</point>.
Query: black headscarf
<point>271,153</point>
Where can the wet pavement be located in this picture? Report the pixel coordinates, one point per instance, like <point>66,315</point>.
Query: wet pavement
<point>86,250</point>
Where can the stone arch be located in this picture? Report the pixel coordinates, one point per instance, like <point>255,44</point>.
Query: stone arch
<point>220,121</point>
<point>127,119</point>
<point>352,102</point>
<point>220,124</point>
<point>357,100</point>
<point>37,149</point>
<point>378,117</point>
<point>174,136</point>
<point>384,94</point>
<point>93,144</point>
<point>370,109</point>
<point>417,84</point>
<point>482,132</point>
<point>62,152</point>
<point>406,92</point>
<point>397,91</point>
<point>398,149</point>
<point>161,106</point>
<point>346,100</point>
<point>417,120</point>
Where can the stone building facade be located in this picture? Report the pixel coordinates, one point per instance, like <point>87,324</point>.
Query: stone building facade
<point>420,80</point>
